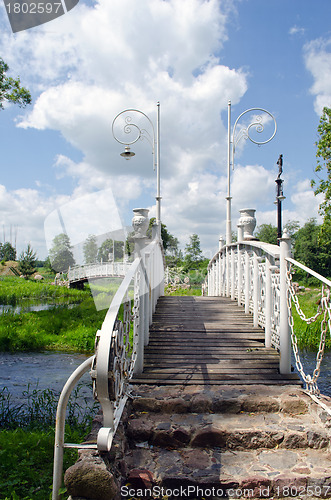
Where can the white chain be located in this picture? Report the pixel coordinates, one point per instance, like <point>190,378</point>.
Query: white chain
<point>323,308</point>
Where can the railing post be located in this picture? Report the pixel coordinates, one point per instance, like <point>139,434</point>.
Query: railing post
<point>227,271</point>
<point>255,288</point>
<point>268,302</point>
<point>141,285</point>
<point>247,280</point>
<point>140,225</point>
<point>240,238</point>
<point>285,337</point>
<point>233,274</point>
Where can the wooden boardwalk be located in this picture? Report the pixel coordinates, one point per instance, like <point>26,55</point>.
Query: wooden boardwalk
<point>208,341</point>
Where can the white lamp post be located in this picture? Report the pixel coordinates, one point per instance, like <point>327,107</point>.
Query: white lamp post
<point>130,127</point>
<point>257,124</point>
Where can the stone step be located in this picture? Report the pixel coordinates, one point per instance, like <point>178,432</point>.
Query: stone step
<point>227,432</point>
<point>222,399</point>
<point>259,473</point>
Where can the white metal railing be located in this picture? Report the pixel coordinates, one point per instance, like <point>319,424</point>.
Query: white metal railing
<point>258,276</point>
<point>98,270</point>
<point>248,272</point>
<point>119,348</point>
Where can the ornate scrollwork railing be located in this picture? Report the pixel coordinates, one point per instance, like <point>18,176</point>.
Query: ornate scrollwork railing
<point>119,348</point>
<point>97,270</point>
<point>258,276</point>
<point>241,271</point>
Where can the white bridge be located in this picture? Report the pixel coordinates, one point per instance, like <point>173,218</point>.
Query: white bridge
<point>79,274</point>
<point>256,275</point>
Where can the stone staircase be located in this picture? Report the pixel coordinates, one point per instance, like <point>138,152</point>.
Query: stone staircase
<point>210,417</point>
<point>247,442</point>
<point>197,442</point>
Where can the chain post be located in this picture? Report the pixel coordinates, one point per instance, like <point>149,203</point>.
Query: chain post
<point>284,337</point>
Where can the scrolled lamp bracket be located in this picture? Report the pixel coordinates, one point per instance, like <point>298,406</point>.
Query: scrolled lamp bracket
<point>257,124</point>
<point>129,127</point>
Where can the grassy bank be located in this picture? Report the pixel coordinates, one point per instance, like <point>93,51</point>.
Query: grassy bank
<point>27,441</point>
<point>309,335</point>
<point>59,328</point>
<point>14,290</point>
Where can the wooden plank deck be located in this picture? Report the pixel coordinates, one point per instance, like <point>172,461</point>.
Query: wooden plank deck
<point>208,341</point>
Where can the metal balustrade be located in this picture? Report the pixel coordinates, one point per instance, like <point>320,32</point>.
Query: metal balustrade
<point>97,270</point>
<point>119,348</point>
<point>257,275</point>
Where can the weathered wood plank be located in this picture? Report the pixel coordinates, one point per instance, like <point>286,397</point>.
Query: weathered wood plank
<point>208,341</point>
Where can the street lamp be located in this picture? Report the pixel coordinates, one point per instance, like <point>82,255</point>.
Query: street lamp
<point>233,140</point>
<point>279,197</point>
<point>130,127</point>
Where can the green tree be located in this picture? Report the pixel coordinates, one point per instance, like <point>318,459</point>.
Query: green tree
<point>193,253</point>
<point>168,239</point>
<point>90,249</point>
<point>11,89</point>
<point>323,171</point>
<point>27,262</point>
<point>60,254</point>
<point>105,251</point>
<point>268,232</point>
<point>7,252</point>
<point>310,251</point>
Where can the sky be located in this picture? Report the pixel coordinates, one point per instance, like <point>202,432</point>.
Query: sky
<point>59,156</point>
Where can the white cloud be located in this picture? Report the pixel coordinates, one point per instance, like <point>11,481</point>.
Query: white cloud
<point>94,62</point>
<point>317,56</point>
<point>296,30</point>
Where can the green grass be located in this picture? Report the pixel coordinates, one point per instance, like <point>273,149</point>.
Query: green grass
<point>170,290</point>
<point>27,441</point>
<point>14,290</point>
<point>309,335</point>
<point>60,328</point>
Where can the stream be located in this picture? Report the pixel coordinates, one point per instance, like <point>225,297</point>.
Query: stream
<point>50,370</point>
<point>40,370</point>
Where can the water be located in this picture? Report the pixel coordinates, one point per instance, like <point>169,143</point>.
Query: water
<point>50,370</point>
<point>308,360</point>
<point>42,370</point>
<point>28,307</point>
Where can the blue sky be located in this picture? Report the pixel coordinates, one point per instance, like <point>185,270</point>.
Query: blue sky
<point>192,56</point>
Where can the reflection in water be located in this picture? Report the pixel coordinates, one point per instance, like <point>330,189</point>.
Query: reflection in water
<point>29,307</point>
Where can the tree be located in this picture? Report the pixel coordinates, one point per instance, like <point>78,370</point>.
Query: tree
<point>323,167</point>
<point>193,253</point>
<point>268,232</point>
<point>167,238</point>
<point>27,262</point>
<point>105,251</point>
<point>61,254</point>
<point>7,251</point>
<point>10,88</point>
<point>90,249</point>
<point>309,251</point>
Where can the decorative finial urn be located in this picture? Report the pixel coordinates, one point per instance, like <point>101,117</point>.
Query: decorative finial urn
<point>247,222</point>
<point>140,222</point>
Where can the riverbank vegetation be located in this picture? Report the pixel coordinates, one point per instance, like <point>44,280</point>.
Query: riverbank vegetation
<point>61,327</point>
<point>14,290</point>
<point>27,440</point>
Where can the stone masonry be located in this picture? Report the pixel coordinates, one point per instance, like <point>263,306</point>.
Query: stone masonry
<point>217,442</point>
